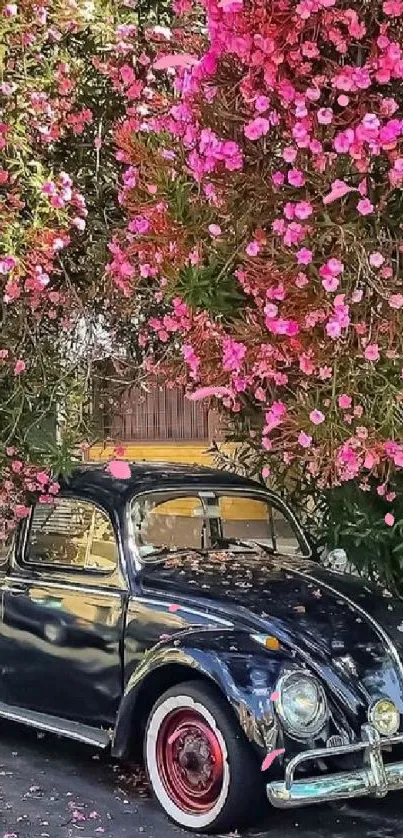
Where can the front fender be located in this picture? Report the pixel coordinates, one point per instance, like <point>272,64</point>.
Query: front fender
<point>244,674</point>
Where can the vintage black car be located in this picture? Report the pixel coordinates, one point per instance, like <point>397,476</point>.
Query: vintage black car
<point>181,611</point>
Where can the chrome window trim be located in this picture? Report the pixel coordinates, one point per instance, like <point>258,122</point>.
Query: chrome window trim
<point>66,586</point>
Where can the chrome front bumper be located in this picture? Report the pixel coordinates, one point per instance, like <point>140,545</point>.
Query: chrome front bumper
<point>374,779</point>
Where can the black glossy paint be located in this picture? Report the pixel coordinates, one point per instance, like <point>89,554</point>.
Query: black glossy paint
<point>193,614</point>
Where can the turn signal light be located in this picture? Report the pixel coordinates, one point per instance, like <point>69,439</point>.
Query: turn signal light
<point>268,641</point>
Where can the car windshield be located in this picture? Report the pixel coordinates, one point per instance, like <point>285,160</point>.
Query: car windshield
<point>165,523</point>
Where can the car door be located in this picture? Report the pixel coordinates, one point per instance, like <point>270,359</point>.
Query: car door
<point>64,600</point>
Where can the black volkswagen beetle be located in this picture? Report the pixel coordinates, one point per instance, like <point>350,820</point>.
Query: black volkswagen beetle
<point>179,610</point>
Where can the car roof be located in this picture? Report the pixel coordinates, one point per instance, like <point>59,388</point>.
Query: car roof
<point>93,480</point>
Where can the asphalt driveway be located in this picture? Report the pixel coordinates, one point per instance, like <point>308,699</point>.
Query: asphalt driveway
<point>51,788</point>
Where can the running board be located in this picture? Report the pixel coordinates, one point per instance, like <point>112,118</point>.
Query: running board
<point>53,724</point>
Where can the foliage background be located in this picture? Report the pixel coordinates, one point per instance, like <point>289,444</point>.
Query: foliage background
<point>212,195</point>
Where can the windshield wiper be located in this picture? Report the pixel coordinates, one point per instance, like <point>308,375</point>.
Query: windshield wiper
<point>165,552</point>
<point>249,543</point>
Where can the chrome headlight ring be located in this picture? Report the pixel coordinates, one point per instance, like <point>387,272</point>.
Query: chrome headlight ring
<point>301,695</point>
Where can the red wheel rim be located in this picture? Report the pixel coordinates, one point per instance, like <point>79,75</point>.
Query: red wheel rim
<point>190,761</point>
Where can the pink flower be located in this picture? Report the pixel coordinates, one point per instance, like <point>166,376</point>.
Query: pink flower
<point>317,417</point>
<point>339,190</point>
<point>389,519</point>
<point>8,264</point>
<point>42,478</point>
<point>21,511</point>
<point>333,328</point>
<point>10,10</point>
<point>304,256</point>
<point>365,207</point>
<point>303,209</point>
<point>214,230</point>
<point>301,280</point>
<point>253,248</point>
<point>289,154</point>
<point>325,116</point>
<point>396,301</point>
<point>394,8</point>
<point>304,439</point>
<point>398,459</point>
<point>262,104</point>
<point>257,128</point>
<point>233,355</point>
<point>345,401</point>
<point>376,259</point>
<point>295,178</point>
<point>335,266</point>
<point>271,310</point>
<point>372,352</point>
<point>369,461</point>
<point>330,283</point>
<point>19,367</point>
<point>265,472</point>
<point>274,416</point>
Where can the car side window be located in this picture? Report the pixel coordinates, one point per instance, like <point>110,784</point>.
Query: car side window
<point>72,533</point>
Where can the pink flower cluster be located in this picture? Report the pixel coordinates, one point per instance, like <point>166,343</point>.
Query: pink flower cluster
<point>299,151</point>
<point>22,482</point>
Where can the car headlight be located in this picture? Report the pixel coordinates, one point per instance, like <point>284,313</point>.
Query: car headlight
<point>385,717</point>
<point>301,704</point>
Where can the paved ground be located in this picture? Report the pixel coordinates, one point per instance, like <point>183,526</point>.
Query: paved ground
<point>55,789</point>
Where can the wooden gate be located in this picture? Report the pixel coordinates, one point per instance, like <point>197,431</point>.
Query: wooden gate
<point>160,414</point>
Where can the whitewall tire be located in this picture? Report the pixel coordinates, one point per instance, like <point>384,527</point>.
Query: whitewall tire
<point>199,764</point>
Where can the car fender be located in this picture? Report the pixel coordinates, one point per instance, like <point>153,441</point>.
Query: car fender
<point>244,673</point>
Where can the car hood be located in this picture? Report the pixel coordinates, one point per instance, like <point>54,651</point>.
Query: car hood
<point>350,633</point>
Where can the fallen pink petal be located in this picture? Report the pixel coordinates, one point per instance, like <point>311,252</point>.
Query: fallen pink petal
<point>269,759</point>
<point>180,60</point>
<point>208,393</point>
<point>119,469</point>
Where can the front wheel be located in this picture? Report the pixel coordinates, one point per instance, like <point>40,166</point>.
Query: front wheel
<point>200,766</point>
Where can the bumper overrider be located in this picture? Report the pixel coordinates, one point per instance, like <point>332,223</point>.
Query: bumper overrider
<point>374,778</point>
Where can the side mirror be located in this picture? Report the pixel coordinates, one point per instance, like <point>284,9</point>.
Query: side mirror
<point>336,560</point>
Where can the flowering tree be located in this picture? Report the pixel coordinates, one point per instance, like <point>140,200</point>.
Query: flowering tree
<point>63,72</point>
<point>263,199</point>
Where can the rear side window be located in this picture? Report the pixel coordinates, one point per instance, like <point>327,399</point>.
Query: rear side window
<point>72,533</point>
